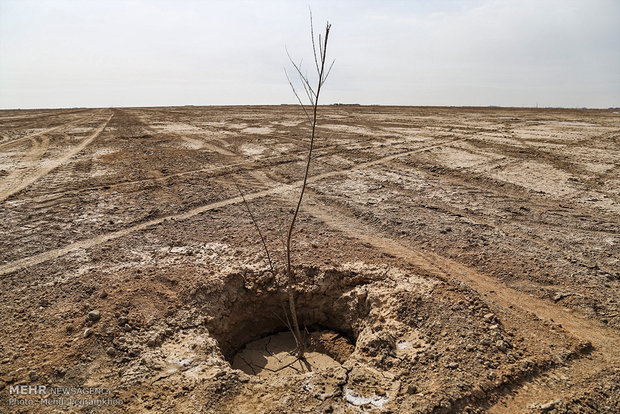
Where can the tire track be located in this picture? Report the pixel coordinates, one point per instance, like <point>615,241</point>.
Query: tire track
<point>553,159</point>
<point>278,189</point>
<point>4,138</point>
<point>549,158</point>
<point>605,341</point>
<point>17,183</point>
<point>199,143</point>
<point>28,117</point>
<point>45,131</point>
<point>517,192</point>
<point>26,165</point>
<point>483,219</point>
<point>210,129</point>
<point>238,167</point>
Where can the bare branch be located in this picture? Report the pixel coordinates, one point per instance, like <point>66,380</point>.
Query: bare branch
<point>285,322</point>
<point>298,98</point>
<point>307,88</point>
<point>329,70</point>
<point>304,79</point>
<point>316,60</point>
<point>256,226</point>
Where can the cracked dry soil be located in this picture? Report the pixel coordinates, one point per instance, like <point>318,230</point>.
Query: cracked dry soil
<point>446,259</point>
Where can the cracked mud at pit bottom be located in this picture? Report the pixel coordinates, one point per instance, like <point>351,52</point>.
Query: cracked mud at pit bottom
<point>277,354</point>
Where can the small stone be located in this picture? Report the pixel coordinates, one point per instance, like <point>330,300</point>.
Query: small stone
<point>493,327</point>
<point>488,317</point>
<point>501,345</point>
<point>88,332</point>
<point>122,320</point>
<point>412,389</point>
<point>93,316</point>
<point>33,376</point>
<point>69,329</point>
<point>111,351</point>
<point>452,365</point>
<point>127,327</point>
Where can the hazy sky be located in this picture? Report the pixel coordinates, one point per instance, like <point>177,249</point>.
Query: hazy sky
<point>65,53</point>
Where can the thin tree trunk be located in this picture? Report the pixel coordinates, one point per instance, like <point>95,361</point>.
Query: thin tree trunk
<point>289,270</point>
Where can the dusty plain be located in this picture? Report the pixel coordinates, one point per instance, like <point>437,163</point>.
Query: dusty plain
<point>469,255</point>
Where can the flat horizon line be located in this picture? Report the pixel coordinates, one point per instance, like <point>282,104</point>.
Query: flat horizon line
<point>322,105</point>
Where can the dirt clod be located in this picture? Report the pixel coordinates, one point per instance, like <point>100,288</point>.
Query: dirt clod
<point>93,316</point>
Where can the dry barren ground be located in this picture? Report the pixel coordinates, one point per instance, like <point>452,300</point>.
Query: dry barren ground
<point>449,259</point>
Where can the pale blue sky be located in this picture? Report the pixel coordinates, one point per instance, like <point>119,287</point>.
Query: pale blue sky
<point>66,53</point>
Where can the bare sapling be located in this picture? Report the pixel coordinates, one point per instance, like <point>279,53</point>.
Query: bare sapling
<point>310,110</point>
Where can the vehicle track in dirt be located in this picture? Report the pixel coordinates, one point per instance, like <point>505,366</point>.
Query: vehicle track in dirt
<point>503,223</point>
<point>15,183</point>
<point>25,166</point>
<point>562,163</point>
<point>244,165</point>
<point>4,138</point>
<point>211,142</point>
<point>552,159</point>
<point>605,340</point>
<point>49,113</point>
<point>45,131</point>
<point>90,242</point>
<point>475,181</point>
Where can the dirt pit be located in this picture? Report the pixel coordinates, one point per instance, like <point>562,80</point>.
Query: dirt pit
<point>260,310</point>
<point>375,333</point>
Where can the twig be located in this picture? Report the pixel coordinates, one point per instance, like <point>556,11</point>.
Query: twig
<point>256,226</point>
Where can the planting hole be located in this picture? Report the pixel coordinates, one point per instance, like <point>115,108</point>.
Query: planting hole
<point>249,321</point>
